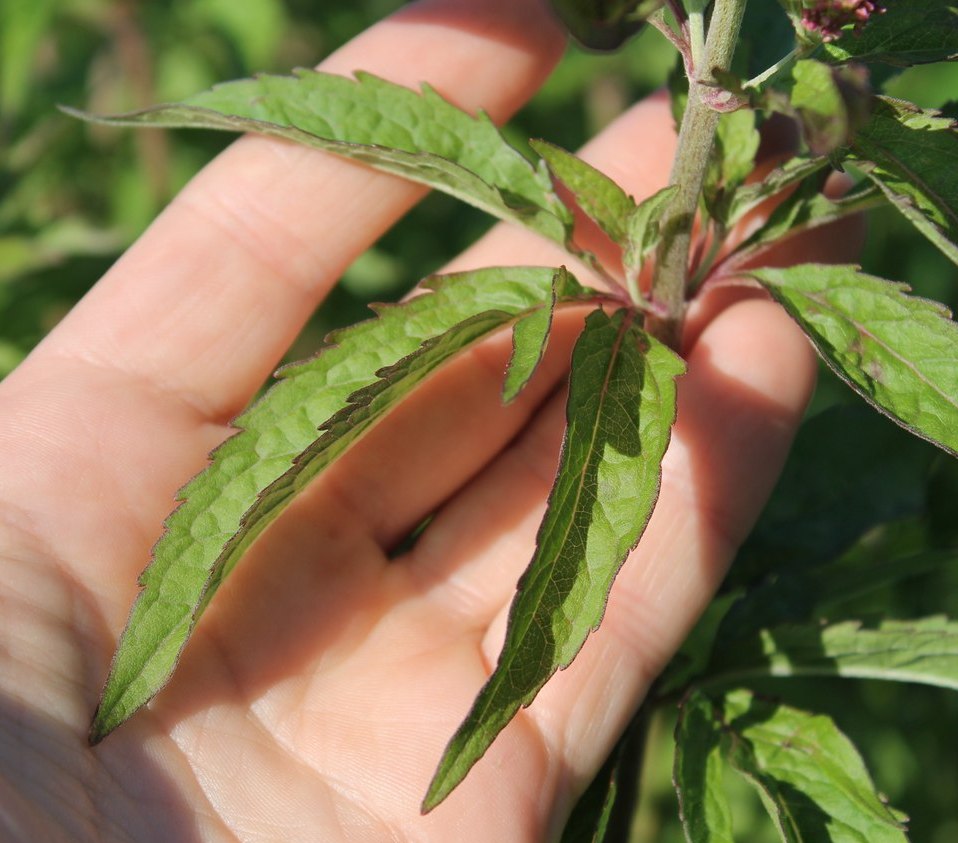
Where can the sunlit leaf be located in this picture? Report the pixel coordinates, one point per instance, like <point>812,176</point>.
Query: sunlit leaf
<point>899,352</point>
<point>923,651</point>
<point>809,776</point>
<point>620,411</point>
<point>419,136</point>
<point>607,204</point>
<point>256,473</point>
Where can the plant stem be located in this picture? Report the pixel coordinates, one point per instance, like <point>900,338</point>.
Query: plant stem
<point>696,137</point>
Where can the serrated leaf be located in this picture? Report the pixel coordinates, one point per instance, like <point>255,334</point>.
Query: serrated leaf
<point>697,773</point>
<point>254,474</point>
<point>809,776</point>
<point>923,651</point>
<point>620,411</point>
<point>599,197</point>
<point>899,352</point>
<point>912,155</point>
<point>419,136</point>
<point>907,32</point>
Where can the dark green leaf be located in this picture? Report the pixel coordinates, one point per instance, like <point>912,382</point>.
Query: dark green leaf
<point>620,411</point>
<point>698,773</point>
<point>899,352</point>
<point>923,651</point>
<point>254,474</point>
<point>907,32</point>
<point>809,776</point>
<point>604,24</point>
<point>912,155</point>
<point>849,470</point>
<point>420,137</point>
<point>600,198</point>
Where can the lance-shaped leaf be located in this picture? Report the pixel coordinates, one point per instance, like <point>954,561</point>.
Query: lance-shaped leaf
<point>644,231</point>
<point>620,411</point>
<point>807,208</point>
<point>906,32</point>
<point>809,776</point>
<point>748,197</point>
<point>923,651</point>
<point>599,197</point>
<point>254,474</point>
<point>698,772</point>
<point>899,352</point>
<point>419,136</point>
<point>912,155</point>
<point>529,338</point>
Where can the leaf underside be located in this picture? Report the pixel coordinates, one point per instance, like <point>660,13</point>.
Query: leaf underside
<point>620,411</point>
<point>419,136</point>
<point>254,475</point>
<point>899,352</point>
<point>808,775</point>
<point>912,155</point>
<point>923,651</point>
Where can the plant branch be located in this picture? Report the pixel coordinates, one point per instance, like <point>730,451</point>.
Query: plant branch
<point>696,137</point>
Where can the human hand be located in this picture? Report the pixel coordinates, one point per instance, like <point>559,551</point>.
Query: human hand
<point>317,693</point>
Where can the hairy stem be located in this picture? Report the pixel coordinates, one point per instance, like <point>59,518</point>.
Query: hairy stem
<point>696,137</point>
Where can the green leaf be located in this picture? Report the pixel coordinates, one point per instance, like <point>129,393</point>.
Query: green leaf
<point>805,209</point>
<point>830,103</point>
<point>620,411</point>
<point>749,197</point>
<point>899,352</point>
<point>254,475</point>
<point>912,155</point>
<point>644,231</point>
<point>923,651</point>
<point>809,776</point>
<point>698,773</point>
<point>531,335</point>
<point>419,136</point>
<point>907,32</point>
<point>600,198</point>
<point>849,471</point>
<point>604,24</point>
<point>589,821</point>
<point>733,158</point>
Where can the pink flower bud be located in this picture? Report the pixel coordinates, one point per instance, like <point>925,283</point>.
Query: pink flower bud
<point>828,17</point>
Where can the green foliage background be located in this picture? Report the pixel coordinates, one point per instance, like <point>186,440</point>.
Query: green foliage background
<point>73,196</point>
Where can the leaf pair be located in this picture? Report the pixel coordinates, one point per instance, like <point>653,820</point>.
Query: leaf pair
<point>316,411</point>
<point>807,774</point>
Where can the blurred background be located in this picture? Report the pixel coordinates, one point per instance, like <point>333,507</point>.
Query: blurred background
<point>73,196</point>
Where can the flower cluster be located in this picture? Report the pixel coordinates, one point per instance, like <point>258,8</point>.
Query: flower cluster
<point>828,17</point>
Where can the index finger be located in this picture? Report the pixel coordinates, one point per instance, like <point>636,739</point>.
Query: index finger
<point>207,301</point>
